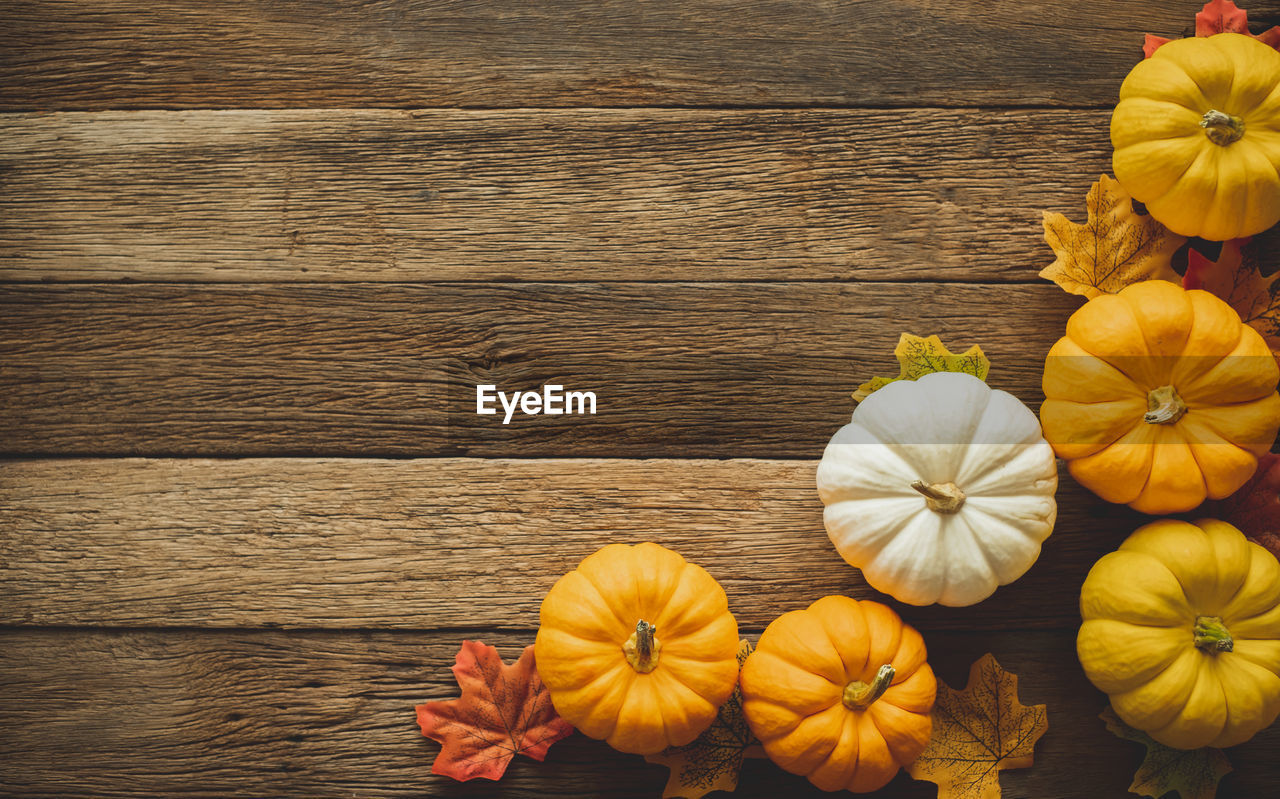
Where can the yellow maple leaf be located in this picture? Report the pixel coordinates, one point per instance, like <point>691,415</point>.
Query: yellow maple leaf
<point>1114,248</point>
<point>919,356</point>
<point>1192,773</point>
<point>1237,278</point>
<point>713,761</point>
<point>978,732</point>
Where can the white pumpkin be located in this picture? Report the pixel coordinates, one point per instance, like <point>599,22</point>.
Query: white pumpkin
<point>939,489</point>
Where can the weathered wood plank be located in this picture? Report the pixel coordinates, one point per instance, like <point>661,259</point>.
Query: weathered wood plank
<point>56,54</point>
<point>686,370</point>
<point>445,543</point>
<point>238,713</point>
<point>937,195</point>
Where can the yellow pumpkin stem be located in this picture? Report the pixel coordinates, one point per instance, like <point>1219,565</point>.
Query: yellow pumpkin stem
<point>1164,406</point>
<point>1211,635</point>
<point>642,648</point>
<point>940,497</point>
<point>859,695</point>
<point>1222,129</point>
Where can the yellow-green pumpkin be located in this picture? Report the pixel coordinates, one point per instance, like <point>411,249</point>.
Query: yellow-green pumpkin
<point>1182,630</point>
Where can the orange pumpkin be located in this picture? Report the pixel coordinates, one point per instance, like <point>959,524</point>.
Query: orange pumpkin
<point>840,693</point>
<point>1159,397</point>
<point>637,646</point>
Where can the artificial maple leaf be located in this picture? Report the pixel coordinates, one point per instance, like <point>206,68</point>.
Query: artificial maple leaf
<point>1219,16</point>
<point>1114,248</point>
<point>918,357</point>
<point>1255,507</point>
<point>1237,278</point>
<point>977,733</point>
<point>1193,773</point>
<point>503,711</point>
<point>713,761</point>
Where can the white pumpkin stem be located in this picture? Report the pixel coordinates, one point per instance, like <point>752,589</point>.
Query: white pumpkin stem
<point>642,648</point>
<point>1222,129</point>
<point>940,497</point>
<point>1164,406</point>
<point>1211,635</point>
<point>859,695</point>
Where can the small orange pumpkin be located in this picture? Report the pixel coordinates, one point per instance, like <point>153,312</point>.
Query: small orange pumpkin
<point>637,646</point>
<point>1159,397</point>
<point>840,693</point>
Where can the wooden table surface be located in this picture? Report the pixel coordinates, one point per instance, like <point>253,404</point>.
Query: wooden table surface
<point>255,256</point>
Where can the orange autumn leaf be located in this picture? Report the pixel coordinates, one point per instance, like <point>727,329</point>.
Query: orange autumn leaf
<point>503,711</point>
<point>1190,773</point>
<point>1237,278</point>
<point>1114,248</point>
<point>977,733</point>
<point>1219,16</point>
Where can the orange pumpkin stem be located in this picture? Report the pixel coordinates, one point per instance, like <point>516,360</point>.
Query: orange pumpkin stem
<point>859,695</point>
<point>642,648</point>
<point>940,497</point>
<point>1222,129</point>
<point>1210,635</point>
<point>1164,406</point>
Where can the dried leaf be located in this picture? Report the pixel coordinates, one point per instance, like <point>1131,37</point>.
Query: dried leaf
<point>1255,507</point>
<point>1219,16</point>
<point>503,711</point>
<point>978,732</point>
<point>1114,248</point>
<point>918,357</point>
<point>1269,541</point>
<point>1237,278</point>
<point>1193,773</point>
<point>1151,43</point>
<point>714,760</point>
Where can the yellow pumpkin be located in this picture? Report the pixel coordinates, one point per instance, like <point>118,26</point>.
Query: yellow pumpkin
<point>1159,397</point>
<point>1197,136</point>
<point>1182,629</point>
<point>840,693</point>
<point>637,647</point>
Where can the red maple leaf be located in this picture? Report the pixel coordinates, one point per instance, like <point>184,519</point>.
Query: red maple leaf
<point>1219,16</point>
<point>1237,277</point>
<point>503,711</point>
<point>1255,508</point>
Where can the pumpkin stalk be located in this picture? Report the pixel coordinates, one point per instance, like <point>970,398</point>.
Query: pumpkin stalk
<point>859,695</point>
<point>1164,406</point>
<point>1222,129</point>
<point>1210,635</point>
<point>940,497</point>
<point>642,648</point>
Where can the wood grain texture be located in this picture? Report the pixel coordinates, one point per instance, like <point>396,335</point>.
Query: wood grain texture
<point>446,543</point>
<point>685,370</point>
<point>59,54</point>
<point>237,713</point>
<point>344,196</point>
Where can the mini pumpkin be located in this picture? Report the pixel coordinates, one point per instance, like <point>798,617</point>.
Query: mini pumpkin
<point>637,647</point>
<point>1197,136</point>
<point>1159,397</point>
<point>1182,629</point>
<point>939,489</point>
<point>840,693</point>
